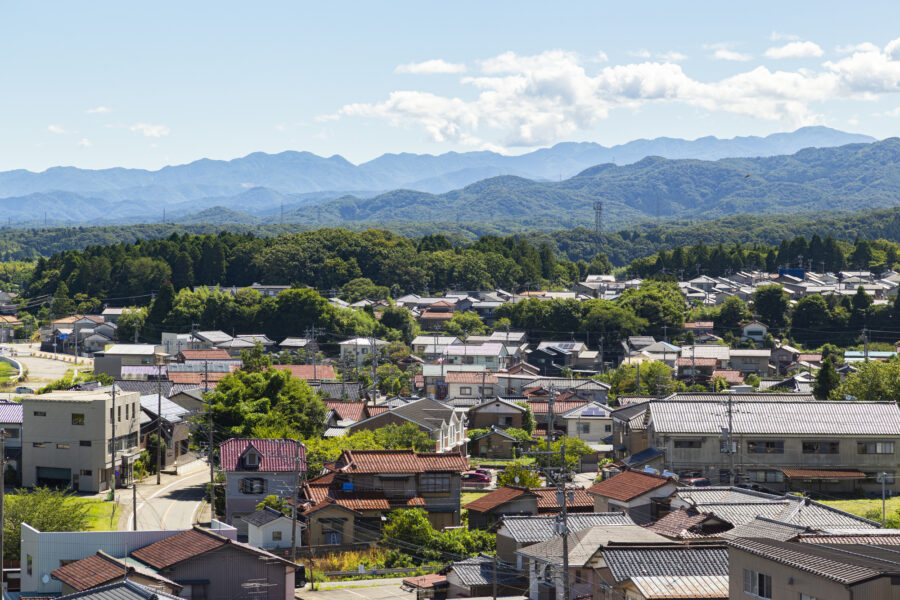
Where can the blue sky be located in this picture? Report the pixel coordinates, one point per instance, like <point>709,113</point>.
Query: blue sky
<point>103,84</point>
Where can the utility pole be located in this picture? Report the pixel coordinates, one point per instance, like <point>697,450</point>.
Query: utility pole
<point>294,504</point>
<point>730,443</point>
<point>158,421</point>
<point>374,367</point>
<point>494,595</point>
<point>134,505</point>
<point>112,417</point>
<point>212,464</point>
<point>865,335</point>
<point>882,477</point>
<point>2,499</point>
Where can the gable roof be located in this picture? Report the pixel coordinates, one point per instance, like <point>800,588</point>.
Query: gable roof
<point>479,570</point>
<point>490,401</point>
<point>192,543</point>
<point>350,411</point>
<point>539,528</point>
<point>317,372</point>
<point>99,569</point>
<point>399,461</point>
<point>121,590</point>
<point>683,586</point>
<point>498,498</point>
<point>214,354</point>
<point>275,455</point>
<point>585,543</point>
<point>666,560</point>
<point>628,485</point>
<point>484,377</point>
<point>425,412</point>
<point>263,517</point>
<point>680,523</point>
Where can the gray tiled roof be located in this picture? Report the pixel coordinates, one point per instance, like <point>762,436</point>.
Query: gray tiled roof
<point>532,529</point>
<point>674,560</point>
<point>262,517</point>
<point>341,390</point>
<point>761,527</point>
<point>778,417</point>
<point>145,388</point>
<point>643,457</point>
<point>584,544</point>
<point>480,571</point>
<point>123,590</point>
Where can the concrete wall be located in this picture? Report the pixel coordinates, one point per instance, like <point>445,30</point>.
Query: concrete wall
<point>262,537</point>
<point>787,583</point>
<point>495,413</point>
<point>238,504</point>
<point>47,549</point>
<point>240,569</point>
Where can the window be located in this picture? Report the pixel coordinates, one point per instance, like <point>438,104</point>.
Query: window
<point>119,414</point>
<point>199,591</point>
<point>85,443</point>
<point>253,485</point>
<point>435,482</point>
<point>815,447</point>
<point>758,584</point>
<point>62,446</point>
<point>39,444</point>
<point>724,476</point>
<point>875,477</point>
<point>28,564</point>
<point>112,414</point>
<point>766,476</point>
<point>276,536</point>
<point>394,487</point>
<point>874,447</point>
<point>40,413</point>
<point>607,428</point>
<point>77,419</point>
<point>87,472</point>
<point>584,428</point>
<point>508,421</point>
<point>806,597</point>
<point>334,538</point>
<point>11,433</point>
<point>488,391</point>
<point>126,411</point>
<point>688,443</point>
<point>251,459</point>
<point>465,391</point>
<point>756,447</point>
<point>723,446</point>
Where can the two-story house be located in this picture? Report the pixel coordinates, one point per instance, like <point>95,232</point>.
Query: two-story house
<point>11,427</point>
<point>431,347</point>
<point>255,468</point>
<point>750,360</point>
<point>80,439</point>
<point>491,355</point>
<point>444,424</point>
<point>496,412</point>
<point>780,443</point>
<point>355,351</point>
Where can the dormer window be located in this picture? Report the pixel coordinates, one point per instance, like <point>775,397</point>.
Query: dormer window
<point>251,459</point>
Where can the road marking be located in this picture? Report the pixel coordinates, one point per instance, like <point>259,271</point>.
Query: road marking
<point>181,480</point>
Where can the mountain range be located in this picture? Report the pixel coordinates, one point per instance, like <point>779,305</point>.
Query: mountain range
<point>813,168</point>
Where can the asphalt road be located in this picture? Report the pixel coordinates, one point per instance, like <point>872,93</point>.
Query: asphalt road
<point>41,371</point>
<point>174,504</point>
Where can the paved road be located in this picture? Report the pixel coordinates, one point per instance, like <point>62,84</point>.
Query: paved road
<point>41,371</point>
<point>174,504</point>
<point>368,589</point>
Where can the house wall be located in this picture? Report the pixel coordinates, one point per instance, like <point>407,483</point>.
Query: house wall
<point>597,429</point>
<point>494,446</point>
<point>262,537</point>
<point>496,413</point>
<point>228,570</point>
<point>710,460</point>
<point>238,504</point>
<point>519,506</point>
<point>640,509</point>
<point>332,519</point>
<point>800,581</point>
<point>62,440</point>
<point>47,549</point>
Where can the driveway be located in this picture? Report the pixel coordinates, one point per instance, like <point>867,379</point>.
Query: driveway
<point>174,504</point>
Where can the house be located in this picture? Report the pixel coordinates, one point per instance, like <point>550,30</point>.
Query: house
<point>588,390</point>
<point>209,565</point>
<point>269,528</point>
<point>491,355</point>
<point>591,423</point>
<point>475,577</point>
<point>256,338</point>
<point>331,527</point>
<point>700,328</point>
<point>754,330</point>
<point>236,345</point>
<point>373,482</point>
<point>101,569</point>
<point>696,369</point>
<point>485,511</point>
<point>125,589</point>
<point>630,429</point>
<point>80,439</point>
<point>467,385</point>
<point>309,372</point>
<point>760,568</point>
<point>445,425</point>
<point>496,412</point>
<point>11,416</point>
<point>175,427</point>
<point>433,317</point>
<point>720,353</point>
<point>293,344</point>
<point>546,578</point>
<point>494,443</point>
<point>8,325</point>
<point>111,360</point>
<point>255,468</point>
<point>650,572</point>
<point>355,351</point>
<point>780,441</point>
<point>750,360</point>
<point>207,355</point>
<point>517,532</point>
<point>634,492</point>
<point>205,340</point>
<point>430,347</point>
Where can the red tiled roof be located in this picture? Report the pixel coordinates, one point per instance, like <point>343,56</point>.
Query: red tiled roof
<point>539,407</point>
<point>434,315</point>
<point>537,390</point>
<point>348,410</point>
<point>425,581</point>
<point>275,455</point>
<point>324,503</point>
<point>700,362</point>
<point>434,461</point>
<point>352,500</point>
<point>309,372</point>
<point>179,547</point>
<point>377,410</point>
<point>628,485</point>
<point>821,474</point>
<point>547,499</point>
<point>466,377</point>
<point>215,354</point>
<point>498,497</point>
<point>729,375</point>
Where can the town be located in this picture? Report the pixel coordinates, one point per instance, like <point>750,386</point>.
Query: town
<point>462,456</point>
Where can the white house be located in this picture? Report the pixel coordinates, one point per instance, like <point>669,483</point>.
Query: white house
<point>491,355</point>
<point>269,528</point>
<point>356,350</point>
<point>754,330</point>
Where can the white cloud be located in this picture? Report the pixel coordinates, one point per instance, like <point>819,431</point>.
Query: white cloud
<point>431,67</point>
<point>538,99</point>
<point>894,112</point>
<point>56,129</point>
<point>672,57</point>
<point>777,36</point>
<point>99,110</point>
<point>851,48</point>
<point>642,53</point>
<point>85,143</point>
<point>154,131</point>
<point>726,54</point>
<point>795,50</point>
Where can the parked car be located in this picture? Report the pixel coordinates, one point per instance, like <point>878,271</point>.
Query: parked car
<point>473,477</point>
<point>24,389</point>
<point>482,471</point>
<point>696,482</point>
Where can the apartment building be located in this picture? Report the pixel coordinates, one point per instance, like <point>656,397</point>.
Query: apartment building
<point>69,437</point>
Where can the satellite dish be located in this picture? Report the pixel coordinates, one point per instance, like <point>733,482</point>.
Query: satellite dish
<point>45,577</point>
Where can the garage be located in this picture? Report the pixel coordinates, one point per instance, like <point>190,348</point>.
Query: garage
<point>53,477</point>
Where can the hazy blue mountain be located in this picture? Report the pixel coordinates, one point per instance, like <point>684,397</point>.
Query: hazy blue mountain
<point>303,172</point>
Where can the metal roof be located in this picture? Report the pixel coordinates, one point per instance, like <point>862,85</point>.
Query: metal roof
<point>10,412</point>
<point>171,412</point>
<point>764,528</point>
<point>666,560</point>
<point>778,417</point>
<point>584,544</point>
<point>534,528</point>
<point>122,590</point>
<point>480,571</point>
<point>688,586</point>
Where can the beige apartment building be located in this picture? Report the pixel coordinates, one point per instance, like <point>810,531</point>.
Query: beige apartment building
<point>67,438</point>
<point>779,442</point>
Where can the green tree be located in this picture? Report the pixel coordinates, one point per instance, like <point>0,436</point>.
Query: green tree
<point>62,304</point>
<point>407,528</point>
<point>873,381</point>
<point>526,477</point>
<point>159,310</point>
<point>401,437</point>
<point>362,288</point>
<point>464,324</point>
<point>45,510</point>
<point>273,501</point>
<point>771,304</point>
<point>255,359</point>
<point>528,420</point>
<point>132,320</point>
<point>827,381</point>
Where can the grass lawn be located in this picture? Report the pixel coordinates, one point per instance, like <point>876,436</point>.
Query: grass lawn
<point>862,506</point>
<point>6,372</point>
<point>103,515</point>
<point>466,497</point>
<point>525,460</point>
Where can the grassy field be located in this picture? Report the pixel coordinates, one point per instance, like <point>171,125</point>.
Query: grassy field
<point>525,460</point>
<point>871,509</point>
<point>104,515</point>
<point>467,497</point>
<point>7,372</point>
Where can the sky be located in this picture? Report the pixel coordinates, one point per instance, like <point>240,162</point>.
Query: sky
<point>104,84</point>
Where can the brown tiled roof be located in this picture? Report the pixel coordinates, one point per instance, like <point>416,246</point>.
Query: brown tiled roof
<point>699,325</point>
<point>467,377</point>
<point>628,485</point>
<point>436,315</point>
<point>729,375</point>
<point>179,547</point>
<point>325,503</point>
<point>698,362</point>
<point>377,410</point>
<point>547,499</point>
<point>309,372</point>
<point>449,461</point>
<point>214,354</point>
<point>352,500</point>
<point>539,407</point>
<point>98,569</point>
<point>354,411</point>
<point>425,581</point>
<point>678,523</point>
<point>821,474</point>
<point>380,461</point>
<point>498,497</point>
<point>810,357</point>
